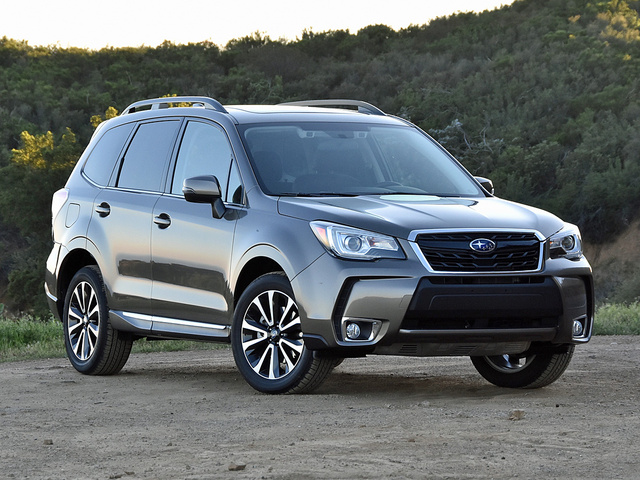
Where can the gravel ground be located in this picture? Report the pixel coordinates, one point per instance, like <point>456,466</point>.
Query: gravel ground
<point>190,415</point>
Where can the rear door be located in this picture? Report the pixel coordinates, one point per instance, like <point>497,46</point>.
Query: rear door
<point>191,250</point>
<point>121,223</point>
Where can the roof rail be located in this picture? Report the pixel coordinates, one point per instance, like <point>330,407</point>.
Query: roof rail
<point>165,102</point>
<point>363,107</point>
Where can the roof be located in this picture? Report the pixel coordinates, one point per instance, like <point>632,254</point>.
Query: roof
<point>337,110</point>
<point>247,114</point>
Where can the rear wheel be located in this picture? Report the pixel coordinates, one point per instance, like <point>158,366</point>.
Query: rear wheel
<point>267,343</point>
<point>525,370</point>
<point>92,345</point>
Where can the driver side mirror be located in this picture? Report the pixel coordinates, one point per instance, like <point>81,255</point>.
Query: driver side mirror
<point>204,189</point>
<point>486,184</point>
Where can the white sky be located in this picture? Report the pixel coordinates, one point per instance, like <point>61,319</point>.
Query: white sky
<point>117,23</point>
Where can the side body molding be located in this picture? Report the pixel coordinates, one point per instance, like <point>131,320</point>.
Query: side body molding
<point>146,324</point>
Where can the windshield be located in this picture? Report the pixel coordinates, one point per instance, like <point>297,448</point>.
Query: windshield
<point>315,159</point>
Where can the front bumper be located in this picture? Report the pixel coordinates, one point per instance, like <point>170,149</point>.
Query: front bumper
<point>405,310</point>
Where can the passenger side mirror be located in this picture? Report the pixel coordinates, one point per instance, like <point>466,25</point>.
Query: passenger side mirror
<point>204,189</point>
<point>486,184</point>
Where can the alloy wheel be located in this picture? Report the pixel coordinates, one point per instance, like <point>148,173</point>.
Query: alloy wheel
<point>83,321</point>
<point>509,363</point>
<point>271,335</point>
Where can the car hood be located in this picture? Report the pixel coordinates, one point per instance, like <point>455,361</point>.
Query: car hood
<point>399,215</point>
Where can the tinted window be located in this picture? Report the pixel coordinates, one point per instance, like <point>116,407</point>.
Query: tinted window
<point>352,159</point>
<point>145,161</point>
<point>104,156</point>
<point>204,150</point>
<point>235,194</point>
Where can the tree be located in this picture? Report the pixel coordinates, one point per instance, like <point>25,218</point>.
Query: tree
<point>96,120</point>
<point>540,96</point>
<point>35,172</point>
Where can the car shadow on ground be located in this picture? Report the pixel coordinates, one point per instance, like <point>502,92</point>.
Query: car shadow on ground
<point>399,383</point>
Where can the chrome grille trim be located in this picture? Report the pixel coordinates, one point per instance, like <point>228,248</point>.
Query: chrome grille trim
<point>414,238</point>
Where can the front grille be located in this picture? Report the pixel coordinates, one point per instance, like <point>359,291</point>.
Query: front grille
<point>452,252</point>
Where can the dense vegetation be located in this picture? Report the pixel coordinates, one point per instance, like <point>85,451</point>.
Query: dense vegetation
<point>541,96</point>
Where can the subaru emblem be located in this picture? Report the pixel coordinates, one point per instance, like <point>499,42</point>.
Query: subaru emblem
<point>483,245</point>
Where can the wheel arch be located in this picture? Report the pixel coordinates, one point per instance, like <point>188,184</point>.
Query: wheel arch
<point>73,261</point>
<point>254,268</point>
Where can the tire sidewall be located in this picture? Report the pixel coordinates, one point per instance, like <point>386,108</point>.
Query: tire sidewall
<point>291,380</point>
<point>91,276</point>
<point>518,378</point>
<point>542,370</point>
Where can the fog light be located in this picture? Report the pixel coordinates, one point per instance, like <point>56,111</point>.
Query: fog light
<point>578,328</point>
<point>353,331</point>
<point>360,329</point>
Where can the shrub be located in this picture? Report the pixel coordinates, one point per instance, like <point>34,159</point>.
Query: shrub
<point>617,319</point>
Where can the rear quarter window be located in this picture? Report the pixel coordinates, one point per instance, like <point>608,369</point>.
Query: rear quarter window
<point>102,160</point>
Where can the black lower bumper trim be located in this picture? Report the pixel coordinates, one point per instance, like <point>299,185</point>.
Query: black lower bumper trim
<point>462,306</point>
<point>477,335</point>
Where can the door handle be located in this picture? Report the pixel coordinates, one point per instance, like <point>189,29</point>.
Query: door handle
<point>103,209</point>
<point>163,220</point>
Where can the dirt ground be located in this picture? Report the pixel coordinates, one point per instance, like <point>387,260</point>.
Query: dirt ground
<point>189,415</point>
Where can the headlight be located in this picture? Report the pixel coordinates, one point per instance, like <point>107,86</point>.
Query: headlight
<point>353,243</point>
<point>566,243</point>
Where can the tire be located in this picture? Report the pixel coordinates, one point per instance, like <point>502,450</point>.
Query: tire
<point>523,370</point>
<point>337,361</point>
<point>266,339</point>
<point>93,346</point>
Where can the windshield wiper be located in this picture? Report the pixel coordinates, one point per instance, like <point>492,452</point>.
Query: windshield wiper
<point>319,194</point>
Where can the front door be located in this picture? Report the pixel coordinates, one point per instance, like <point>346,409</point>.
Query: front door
<point>191,250</point>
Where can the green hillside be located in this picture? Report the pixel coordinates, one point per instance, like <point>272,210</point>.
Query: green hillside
<point>542,96</point>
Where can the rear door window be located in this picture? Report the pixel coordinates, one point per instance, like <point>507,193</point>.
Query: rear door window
<point>145,161</point>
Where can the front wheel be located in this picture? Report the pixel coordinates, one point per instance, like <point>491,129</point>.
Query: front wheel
<point>93,346</point>
<point>267,343</point>
<point>525,370</point>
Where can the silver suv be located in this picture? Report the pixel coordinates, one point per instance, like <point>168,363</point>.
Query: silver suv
<point>302,234</point>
